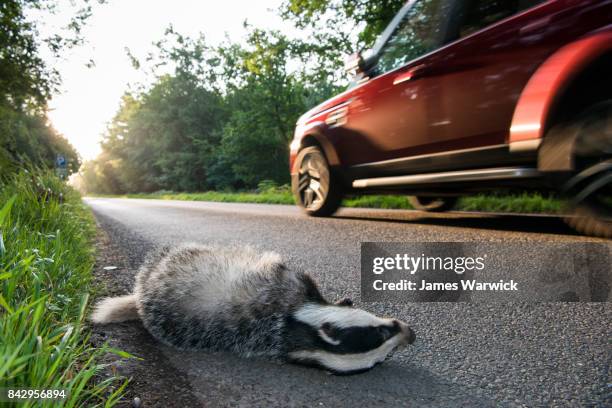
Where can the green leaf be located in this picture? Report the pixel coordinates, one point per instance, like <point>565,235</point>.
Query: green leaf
<point>5,305</point>
<point>122,353</point>
<point>6,208</point>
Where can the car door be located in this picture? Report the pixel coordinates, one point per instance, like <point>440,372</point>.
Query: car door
<point>481,74</point>
<point>387,117</point>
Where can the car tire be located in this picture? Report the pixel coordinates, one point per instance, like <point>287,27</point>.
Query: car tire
<point>432,204</point>
<point>589,221</point>
<point>315,185</point>
<point>590,190</point>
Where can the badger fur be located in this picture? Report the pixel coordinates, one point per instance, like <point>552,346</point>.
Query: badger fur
<point>235,299</point>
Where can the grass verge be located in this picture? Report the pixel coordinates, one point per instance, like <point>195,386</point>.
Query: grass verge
<point>276,196</point>
<point>46,259</point>
<point>531,203</point>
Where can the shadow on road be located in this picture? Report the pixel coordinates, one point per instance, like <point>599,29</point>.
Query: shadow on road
<point>515,223</point>
<point>164,376</point>
<point>228,380</point>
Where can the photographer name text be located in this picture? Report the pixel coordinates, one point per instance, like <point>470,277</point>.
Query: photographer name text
<point>408,285</point>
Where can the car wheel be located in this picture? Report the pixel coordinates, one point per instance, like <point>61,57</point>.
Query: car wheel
<point>314,186</point>
<point>590,189</point>
<point>432,204</point>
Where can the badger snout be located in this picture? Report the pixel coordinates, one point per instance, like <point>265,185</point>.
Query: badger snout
<point>407,333</point>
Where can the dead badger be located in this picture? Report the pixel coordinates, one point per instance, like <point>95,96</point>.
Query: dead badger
<point>233,299</point>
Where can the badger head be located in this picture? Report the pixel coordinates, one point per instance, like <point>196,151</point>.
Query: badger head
<point>342,339</point>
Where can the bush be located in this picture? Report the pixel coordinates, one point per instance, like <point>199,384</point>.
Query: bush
<point>270,186</point>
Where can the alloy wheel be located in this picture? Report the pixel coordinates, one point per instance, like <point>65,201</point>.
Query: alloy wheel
<point>313,181</point>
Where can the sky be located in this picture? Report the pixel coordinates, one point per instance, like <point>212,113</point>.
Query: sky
<point>89,97</point>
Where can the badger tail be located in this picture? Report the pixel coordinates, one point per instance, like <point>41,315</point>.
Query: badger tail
<point>115,309</point>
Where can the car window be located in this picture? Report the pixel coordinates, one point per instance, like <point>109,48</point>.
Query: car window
<point>481,13</point>
<point>421,31</point>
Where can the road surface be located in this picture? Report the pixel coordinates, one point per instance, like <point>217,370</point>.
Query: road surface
<point>466,354</point>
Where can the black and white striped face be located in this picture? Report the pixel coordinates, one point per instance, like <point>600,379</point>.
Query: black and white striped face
<point>343,339</point>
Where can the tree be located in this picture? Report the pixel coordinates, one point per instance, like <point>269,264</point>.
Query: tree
<point>176,130</point>
<point>27,82</point>
<point>264,100</point>
<point>223,118</point>
<point>28,138</point>
<point>213,117</point>
<point>165,136</point>
<point>366,17</point>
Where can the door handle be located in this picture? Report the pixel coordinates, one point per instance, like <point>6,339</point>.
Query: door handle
<point>410,75</point>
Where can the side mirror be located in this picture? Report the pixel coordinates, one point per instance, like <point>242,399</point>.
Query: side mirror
<point>358,63</point>
<point>353,64</point>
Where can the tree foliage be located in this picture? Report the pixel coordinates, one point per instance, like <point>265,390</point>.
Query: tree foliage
<point>28,139</point>
<point>27,82</point>
<point>367,17</point>
<point>222,118</point>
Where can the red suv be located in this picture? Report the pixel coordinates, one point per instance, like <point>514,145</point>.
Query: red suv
<point>467,96</point>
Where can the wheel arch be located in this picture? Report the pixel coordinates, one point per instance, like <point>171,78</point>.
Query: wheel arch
<point>556,89</point>
<point>316,138</point>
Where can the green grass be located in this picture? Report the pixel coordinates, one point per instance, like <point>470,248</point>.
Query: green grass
<point>267,197</point>
<point>527,203</point>
<point>533,203</point>
<point>378,201</point>
<point>46,259</point>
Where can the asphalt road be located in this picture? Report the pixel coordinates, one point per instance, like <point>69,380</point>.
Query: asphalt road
<point>466,354</point>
